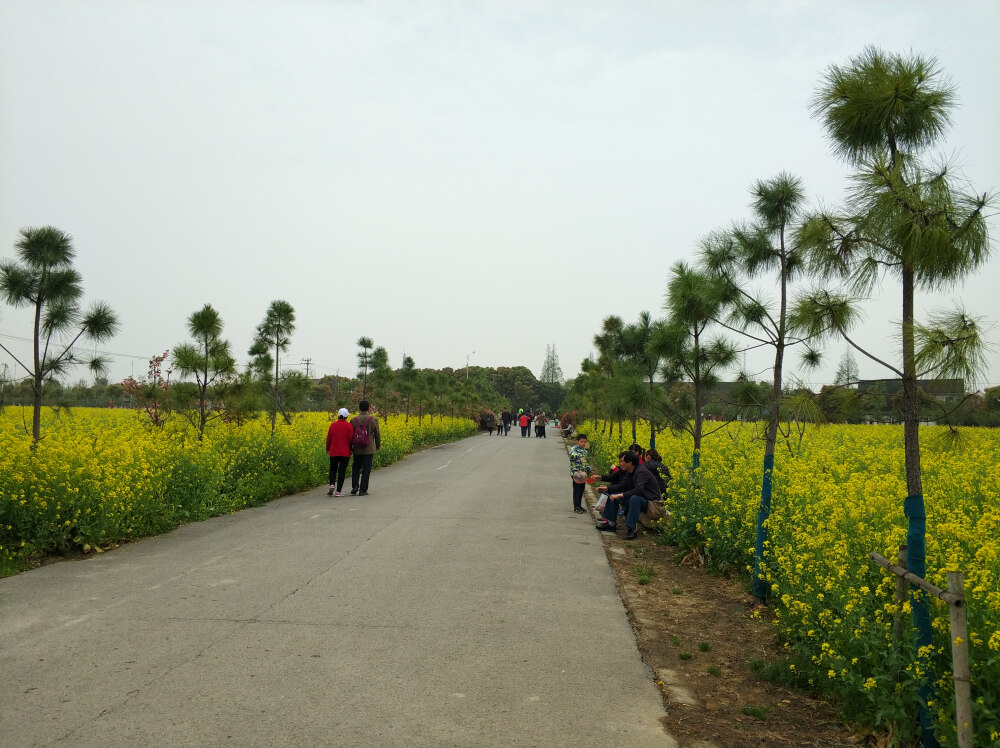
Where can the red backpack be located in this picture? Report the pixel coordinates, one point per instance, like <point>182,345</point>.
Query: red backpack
<point>361,439</point>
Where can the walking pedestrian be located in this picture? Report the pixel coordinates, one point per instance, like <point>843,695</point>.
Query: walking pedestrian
<point>367,440</point>
<point>540,421</point>
<point>523,420</point>
<point>338,446</point>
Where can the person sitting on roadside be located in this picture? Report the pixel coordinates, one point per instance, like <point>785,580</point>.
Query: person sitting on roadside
<point>618,480</point>
<point>644,489</point>
<point>662,473</point>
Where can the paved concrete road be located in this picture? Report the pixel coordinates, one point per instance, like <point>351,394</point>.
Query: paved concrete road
<point>460,603</point>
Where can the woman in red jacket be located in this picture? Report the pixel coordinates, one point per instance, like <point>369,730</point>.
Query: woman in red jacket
<point>338,446</point>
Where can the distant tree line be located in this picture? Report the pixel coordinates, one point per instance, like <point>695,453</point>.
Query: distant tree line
<point>199,380</point>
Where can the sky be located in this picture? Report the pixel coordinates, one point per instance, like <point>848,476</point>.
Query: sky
<point>462,182</point>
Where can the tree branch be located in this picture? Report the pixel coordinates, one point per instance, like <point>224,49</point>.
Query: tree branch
<point>762,341</point>
<point>877,360</point>
<point>66,350</point>
<point>717,428</point>
<point>16,359</point>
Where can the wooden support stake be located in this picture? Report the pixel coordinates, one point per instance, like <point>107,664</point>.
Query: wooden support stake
<point>960,661</point>
<point>916,581</point>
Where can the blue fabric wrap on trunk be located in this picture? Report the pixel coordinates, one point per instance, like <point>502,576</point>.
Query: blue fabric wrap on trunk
<point>760,586</point>
<point>916,562</point>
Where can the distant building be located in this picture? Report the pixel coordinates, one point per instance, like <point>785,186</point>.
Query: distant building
<point>945,390</point>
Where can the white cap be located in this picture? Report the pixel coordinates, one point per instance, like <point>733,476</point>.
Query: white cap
<point>343,412</point>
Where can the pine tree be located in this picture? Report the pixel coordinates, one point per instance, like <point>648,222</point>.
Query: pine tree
<point>551,373</point>
<point>46,280</point>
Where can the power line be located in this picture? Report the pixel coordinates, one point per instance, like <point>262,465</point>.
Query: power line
<point>103,353</point>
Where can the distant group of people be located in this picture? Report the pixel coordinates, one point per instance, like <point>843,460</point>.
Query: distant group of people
<point>639,477</point>
<point>359,438</point>
<point>524,419</point>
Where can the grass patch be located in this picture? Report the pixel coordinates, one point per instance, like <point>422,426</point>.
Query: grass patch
<point>684,655</point>
<point>675,640</point>
<point>780,672</point>
<point>677,591</point>
<point>704,646</point>
<point>646,572</point>
<point>714,671</point>
<point>757,712</point>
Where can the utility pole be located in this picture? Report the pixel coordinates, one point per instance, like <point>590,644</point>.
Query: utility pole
<point>307,362</point>
<point>467,355</point>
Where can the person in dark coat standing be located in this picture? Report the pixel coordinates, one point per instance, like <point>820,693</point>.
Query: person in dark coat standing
<point>361,468</point>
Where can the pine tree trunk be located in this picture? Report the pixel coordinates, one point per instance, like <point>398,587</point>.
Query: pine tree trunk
<point>696,435</point>
<point>760,587</point>
<point>696,385</point>
<point>652,423</point>
<point>36,411</point>
<point>36,390</point>
<point>202,391</point>
<point>913,506</point>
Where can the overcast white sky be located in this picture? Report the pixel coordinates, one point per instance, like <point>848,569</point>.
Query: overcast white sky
<point>443,177</point>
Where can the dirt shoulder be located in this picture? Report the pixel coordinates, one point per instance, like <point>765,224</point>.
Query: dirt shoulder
<point>699,635</point>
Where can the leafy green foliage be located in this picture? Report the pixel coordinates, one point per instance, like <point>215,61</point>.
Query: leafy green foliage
<point>879,102</point>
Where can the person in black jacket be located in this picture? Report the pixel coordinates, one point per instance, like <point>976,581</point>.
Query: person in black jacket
<point>644,489</point>
<point>662,473</point>
<point>617,479</point>
<point>507,417</point>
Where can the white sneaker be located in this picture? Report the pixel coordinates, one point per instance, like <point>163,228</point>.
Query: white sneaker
<point>338,494</point>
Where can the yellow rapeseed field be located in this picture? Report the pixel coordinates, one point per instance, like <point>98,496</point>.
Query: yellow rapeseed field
<point>100,476</point>
<point>838,496</point>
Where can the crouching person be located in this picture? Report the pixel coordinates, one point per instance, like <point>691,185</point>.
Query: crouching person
<point>634,500</point>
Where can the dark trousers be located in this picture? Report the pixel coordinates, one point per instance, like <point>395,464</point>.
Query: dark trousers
<point>578,494</point>
<point>338,471</point>
<point>524,431</point>
<point>361,468</point>
<point>635,506</point>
